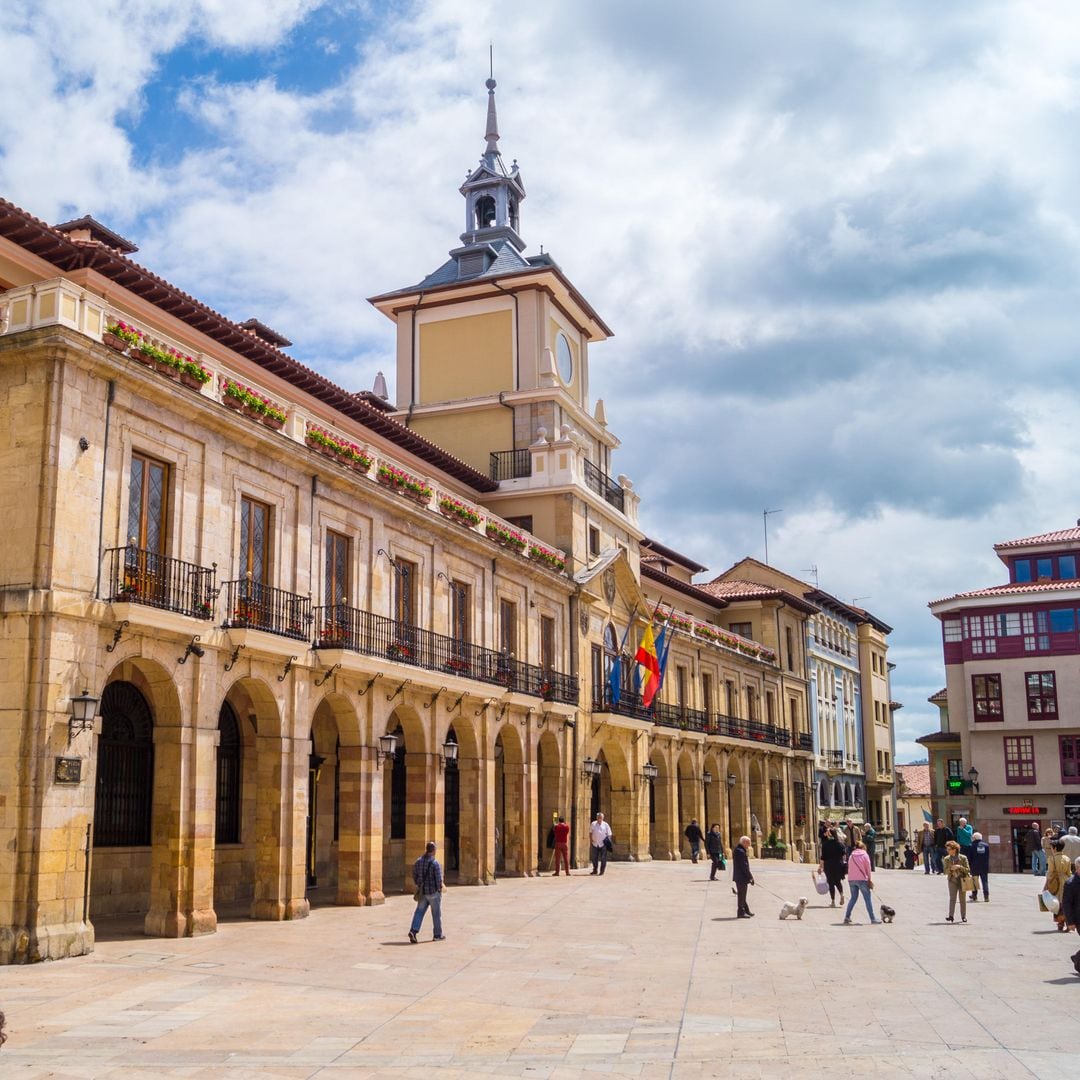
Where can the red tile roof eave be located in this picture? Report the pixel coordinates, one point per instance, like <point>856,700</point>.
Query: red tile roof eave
<point>760,593</point>
<point>1008,589</point>
<point>46,242</point>
<point>1060,536</point>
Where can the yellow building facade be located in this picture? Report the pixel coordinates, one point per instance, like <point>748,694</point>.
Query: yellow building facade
<point>263,637</point>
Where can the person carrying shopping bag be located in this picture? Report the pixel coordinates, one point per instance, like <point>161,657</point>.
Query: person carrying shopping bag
<point>957,871</point>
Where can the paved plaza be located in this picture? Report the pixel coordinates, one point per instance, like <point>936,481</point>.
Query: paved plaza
<point>644,972</point>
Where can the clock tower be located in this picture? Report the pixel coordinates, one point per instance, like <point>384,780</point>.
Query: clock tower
<point>493,365</point>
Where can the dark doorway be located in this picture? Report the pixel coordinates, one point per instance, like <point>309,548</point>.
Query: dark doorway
<point>123,796</point>
<point>1020,829</point>
<point>452,813</point>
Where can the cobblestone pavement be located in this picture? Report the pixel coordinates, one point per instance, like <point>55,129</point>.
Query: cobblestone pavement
<point>644,973</point>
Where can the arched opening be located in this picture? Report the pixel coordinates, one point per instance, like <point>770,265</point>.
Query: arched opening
<point>713,793</point>
<point>661,828</point>
<point>823,795</point>
<point>485,212</point>
<point>549,800</point>
<point>513,213</point>
<point>758,821</point>
<point>736,795</point>
<point>123,803</point>
<point>452,813</point>
<point>408,820</point>
<point>229,788</point>
<point>837,793</point>
<point>324,795</point>
<point>613,795</point>
<point>234,811</point>
<point>509,802</point>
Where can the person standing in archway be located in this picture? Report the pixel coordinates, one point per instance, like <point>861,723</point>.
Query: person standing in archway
<point>562,845</point>
<point>600,839</point>
<point>694,834</point>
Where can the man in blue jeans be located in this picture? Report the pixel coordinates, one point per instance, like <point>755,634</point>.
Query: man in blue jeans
<point>427,874</point>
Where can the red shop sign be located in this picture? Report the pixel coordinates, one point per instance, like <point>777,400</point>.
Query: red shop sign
<point>1024,811</point>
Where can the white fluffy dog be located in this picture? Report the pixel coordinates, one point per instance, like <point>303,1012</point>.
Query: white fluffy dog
<point>794,909</point>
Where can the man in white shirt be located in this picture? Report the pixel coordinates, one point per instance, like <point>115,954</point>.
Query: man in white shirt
<point>1072,843</point>
<point>599,837</point>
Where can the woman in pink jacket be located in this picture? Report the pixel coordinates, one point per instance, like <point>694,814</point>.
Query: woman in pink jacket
<point>860,879</point>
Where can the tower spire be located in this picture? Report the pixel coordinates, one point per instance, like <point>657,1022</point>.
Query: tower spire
<point>491,150</point>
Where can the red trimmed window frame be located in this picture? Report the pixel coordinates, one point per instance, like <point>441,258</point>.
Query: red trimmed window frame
<point>1041,695</point>
<point>1019,753</point>
<point>986,698</point>
<point>1072,758</point>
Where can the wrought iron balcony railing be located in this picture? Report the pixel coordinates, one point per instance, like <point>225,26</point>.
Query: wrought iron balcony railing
<point>510,464</point>
<point>341,627</point>
<point>835,758</point>
<point>251,605</point>
<point>138,576</point>
<point>806,740</point>
<point>597,480</point>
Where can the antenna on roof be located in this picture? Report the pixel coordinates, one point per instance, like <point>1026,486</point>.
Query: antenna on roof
<point>812,569</point>
<point>856,599</point>
<point>765,522</point>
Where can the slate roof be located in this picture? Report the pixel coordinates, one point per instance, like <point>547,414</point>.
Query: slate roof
<point>916,780</point>
<point>1061,536</point>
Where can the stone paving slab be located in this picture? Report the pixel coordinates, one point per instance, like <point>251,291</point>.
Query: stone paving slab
<point>644,973</point>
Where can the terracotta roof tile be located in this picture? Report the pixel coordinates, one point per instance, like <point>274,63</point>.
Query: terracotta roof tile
<point>734,589</point>
<point>1011,588</point>
<point>1060,536</point>
<point>915,778</point>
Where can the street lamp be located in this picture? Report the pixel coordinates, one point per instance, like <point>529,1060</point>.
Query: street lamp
<point>590,767</point>
<point>706,777</point>
<point>449,754</point>
<point>732,780</point>
<point>973,777</point>
<point>83,710</point>
<point>387,746</point>
<point>650,771</point>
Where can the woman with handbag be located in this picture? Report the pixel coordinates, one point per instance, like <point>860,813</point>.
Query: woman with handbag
<point>832,866</point>
<point>860,874</point>
<point>1058,869</point>
<point>957,872</point>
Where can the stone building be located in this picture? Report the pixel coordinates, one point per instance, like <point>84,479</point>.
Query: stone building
<point>263,637</point>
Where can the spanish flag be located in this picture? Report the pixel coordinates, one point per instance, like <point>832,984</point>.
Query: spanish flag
<point>647,659</point>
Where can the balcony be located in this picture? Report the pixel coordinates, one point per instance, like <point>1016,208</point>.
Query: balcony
<point>139,576</point>
<point>597,480</point>
<point>341,627</point>
<point>251,605</point>
<point>510,464</point>
<point>806,740</point>
<point>834,760</point>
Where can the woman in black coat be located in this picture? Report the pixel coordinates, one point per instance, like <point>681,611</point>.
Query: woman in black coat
<point>833,866</point>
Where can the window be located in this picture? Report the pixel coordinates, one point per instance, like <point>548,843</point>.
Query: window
<point>1019,759</point>
<point>594,540</point>
<point>1069,749</point>
<point>706,694</point>
<point>954,630</point>
<point>227,815</point>
<point>956,769</point>
<point>793,713</point>
<point>1009,624</point>
<point>790,642</point>
<point>597,671</point>
<point>399,778</point>
<point>147,499</point>
<point>1067,567</point>
<point>1062,620</point>
<point>982,631</point>
<point>770,708</point>
<point>751,703</point>
<point>680,688</point>
<point>1044,568</point>
<point>524,522</point>
<point>460,613</point>
<point>1022,570</point>
<point>799,791</point>
<point>743,629</point>
<point>123,795</point>
<point>405,592</point>
<point>254,541</point>
<point>336,570</point>
<point>1041,695</point>
<point>732,698</point>
<point>986,696</point>
<point>547,642</point>
<point>508,627</point>
<point>1035,621</point>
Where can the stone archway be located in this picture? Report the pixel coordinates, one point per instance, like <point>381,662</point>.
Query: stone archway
<point>549,796</point>
<point>714,792</point>
<point>408,799</point>
<point>333,724</point>
<point>663,828</point>
<point>464,807</point>
<point>236,780</point>
<point>510,815</point>
<point>686,802</point>
<point>613,794</point>
<point>738,808</point>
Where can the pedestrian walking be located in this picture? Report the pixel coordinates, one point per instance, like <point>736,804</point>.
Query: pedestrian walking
<point>869,837</point>
<point>1058,871</point>
<point>714,845</point>
<point>979,861</point>
<point>428,877</point>
<point>600,839</point>
<point>1072,844</point>
<point>833,866</point>
<point>693,833</point>
<point>742,876</point>
<point>1037,848</point>
<point>562,846</point>
<point>860,875</point>
<point>942,835</point>
<point>924,845</point>
<point>958,871</point>
<point>1070,908</point>
<point>964,837</point>
<point>909,857</point>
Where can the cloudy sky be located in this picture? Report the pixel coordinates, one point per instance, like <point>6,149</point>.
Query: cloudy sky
<point>838,244</point>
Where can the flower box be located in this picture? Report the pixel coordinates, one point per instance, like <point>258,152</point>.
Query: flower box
<point>192,383</point>
<point>505,537</point>
<point>460,512</point>
<point>114,341</point>
<point>144,358</point>
<point>397,650</point>
<point>406,483</point>
<point>545,555</point>
<point>273,422</point>
<point>233,403</point>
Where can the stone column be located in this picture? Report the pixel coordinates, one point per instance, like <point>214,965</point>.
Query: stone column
<point>360,827</point>
<point>281,820</point>
<point>423,811</point>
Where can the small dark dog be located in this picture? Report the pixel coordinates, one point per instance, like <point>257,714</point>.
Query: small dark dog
<point>887,913</point>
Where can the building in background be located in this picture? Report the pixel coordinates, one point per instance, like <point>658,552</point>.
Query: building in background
<point>914,804</point>
<point>1013,687</point>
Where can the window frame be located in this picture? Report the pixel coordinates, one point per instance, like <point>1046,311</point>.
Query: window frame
<point>1074,740</point>
<point>1042,695</point>
<point>984,695</point>
<point>337,560</point>
<point>248,508</point>
<point>145,464</point>
<point>1016,763</point>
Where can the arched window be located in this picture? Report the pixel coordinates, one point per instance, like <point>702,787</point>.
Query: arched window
<point>837,794</point>
<point>823,794</point>
<point>856,796</point>
<point>227,816</point>
<point>123,795</point>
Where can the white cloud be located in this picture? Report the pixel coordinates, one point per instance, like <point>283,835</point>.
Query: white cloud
<point>841,249</point>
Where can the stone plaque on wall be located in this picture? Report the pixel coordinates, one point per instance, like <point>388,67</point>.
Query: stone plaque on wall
<point>68,770</point>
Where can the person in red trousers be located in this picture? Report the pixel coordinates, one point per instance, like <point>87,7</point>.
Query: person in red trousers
<point>562,846</point>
